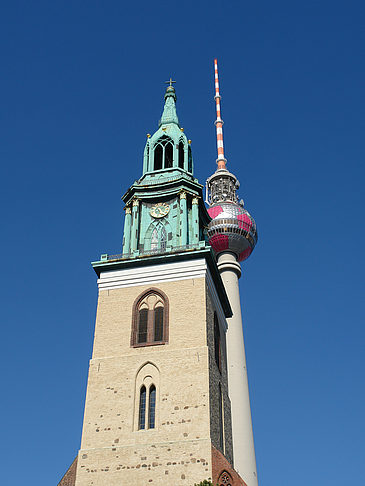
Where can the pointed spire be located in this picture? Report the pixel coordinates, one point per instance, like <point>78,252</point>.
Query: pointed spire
<point>221,161</point>
<point>169,114</point>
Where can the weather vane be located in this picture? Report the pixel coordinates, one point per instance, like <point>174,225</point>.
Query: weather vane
<point>170,81</point>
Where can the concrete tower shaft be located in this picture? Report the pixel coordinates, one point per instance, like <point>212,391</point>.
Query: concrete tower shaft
<point>243,443</point>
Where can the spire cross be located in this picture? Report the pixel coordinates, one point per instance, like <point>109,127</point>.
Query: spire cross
<point>170,81</point>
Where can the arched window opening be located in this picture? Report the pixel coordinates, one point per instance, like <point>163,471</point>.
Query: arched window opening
<point>142,409</point>
<point>150,319</point>
<point>158,238</point>
<point>146,397</point>
<point>217,343</point>
<point>181,155</point>
<point>152,407</point>
<point>190,160</point>
<point>225,479</point>
<point>158,157</point>
<point>168,155</point>
<point>142,325</point>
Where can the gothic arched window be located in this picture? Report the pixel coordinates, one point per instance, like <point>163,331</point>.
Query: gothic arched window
<point>181,155</point>
<point>169,154</point>
<point>150,319</point>
<point>163,153</point>
<point>146,397</point>
<point>225,479</point>
<point>158,157</point>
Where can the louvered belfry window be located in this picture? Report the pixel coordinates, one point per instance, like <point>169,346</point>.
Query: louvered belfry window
<point>150,319</point>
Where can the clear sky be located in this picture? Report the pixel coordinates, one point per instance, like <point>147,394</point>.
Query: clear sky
<point>82,82</point>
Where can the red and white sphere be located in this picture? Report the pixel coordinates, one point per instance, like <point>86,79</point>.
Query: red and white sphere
<point>232,229</point>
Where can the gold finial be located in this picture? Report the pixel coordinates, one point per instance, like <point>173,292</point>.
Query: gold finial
<point>148,135</point>
<point>189,142</point>
<point>181,129</point>
<point>170,81</point>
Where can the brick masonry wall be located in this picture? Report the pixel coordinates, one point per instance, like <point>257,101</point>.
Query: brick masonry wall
<point>220,464</point>
<point>70,477</point>
<point>217,377</point>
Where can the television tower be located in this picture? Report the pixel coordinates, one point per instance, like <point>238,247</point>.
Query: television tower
<point>232,234</point>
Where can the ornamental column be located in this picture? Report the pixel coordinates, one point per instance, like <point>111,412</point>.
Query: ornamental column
<point>127,230</point>
<point>183,219</point>
<point>135,224</point>
<point>195,220</point>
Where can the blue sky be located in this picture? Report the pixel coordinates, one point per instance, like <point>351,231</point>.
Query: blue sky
<point>81,85</point>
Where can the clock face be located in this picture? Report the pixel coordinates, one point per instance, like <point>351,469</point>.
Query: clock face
<point>159,210</point>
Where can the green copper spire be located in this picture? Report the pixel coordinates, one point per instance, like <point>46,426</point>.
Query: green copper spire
<point>168,152</point>
<point>164,208</point>
<point>169,114</point>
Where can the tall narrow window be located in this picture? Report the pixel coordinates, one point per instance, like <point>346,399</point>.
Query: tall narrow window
<point>152,407</point>
<point>181,155</point>
<point>217,342</point>
<point>142,408</point>
<point>190,160</point>
<point>142,325</point>
<point>158,327</point>
<point>150,319</point>
<point>168,155</point>
<point>158,157</point>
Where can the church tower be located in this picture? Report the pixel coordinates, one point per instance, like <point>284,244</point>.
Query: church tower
<point>158,409</point>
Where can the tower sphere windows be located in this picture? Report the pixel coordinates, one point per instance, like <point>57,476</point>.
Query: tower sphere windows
<point>150,319</point>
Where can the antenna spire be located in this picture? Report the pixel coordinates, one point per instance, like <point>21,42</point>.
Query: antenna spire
<point>221,161</point>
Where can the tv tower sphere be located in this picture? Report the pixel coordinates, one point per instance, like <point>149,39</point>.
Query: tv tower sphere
<point>232,227</point>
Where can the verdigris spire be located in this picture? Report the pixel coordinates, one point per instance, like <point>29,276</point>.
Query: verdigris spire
<point>169,114</point>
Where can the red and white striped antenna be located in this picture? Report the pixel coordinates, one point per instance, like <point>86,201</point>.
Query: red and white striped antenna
<point>221,161</point>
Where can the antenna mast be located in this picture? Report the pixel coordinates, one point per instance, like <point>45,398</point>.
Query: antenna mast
<point>221,161</point>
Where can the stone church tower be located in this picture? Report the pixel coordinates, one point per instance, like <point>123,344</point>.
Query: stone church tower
<point>158,409</point>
